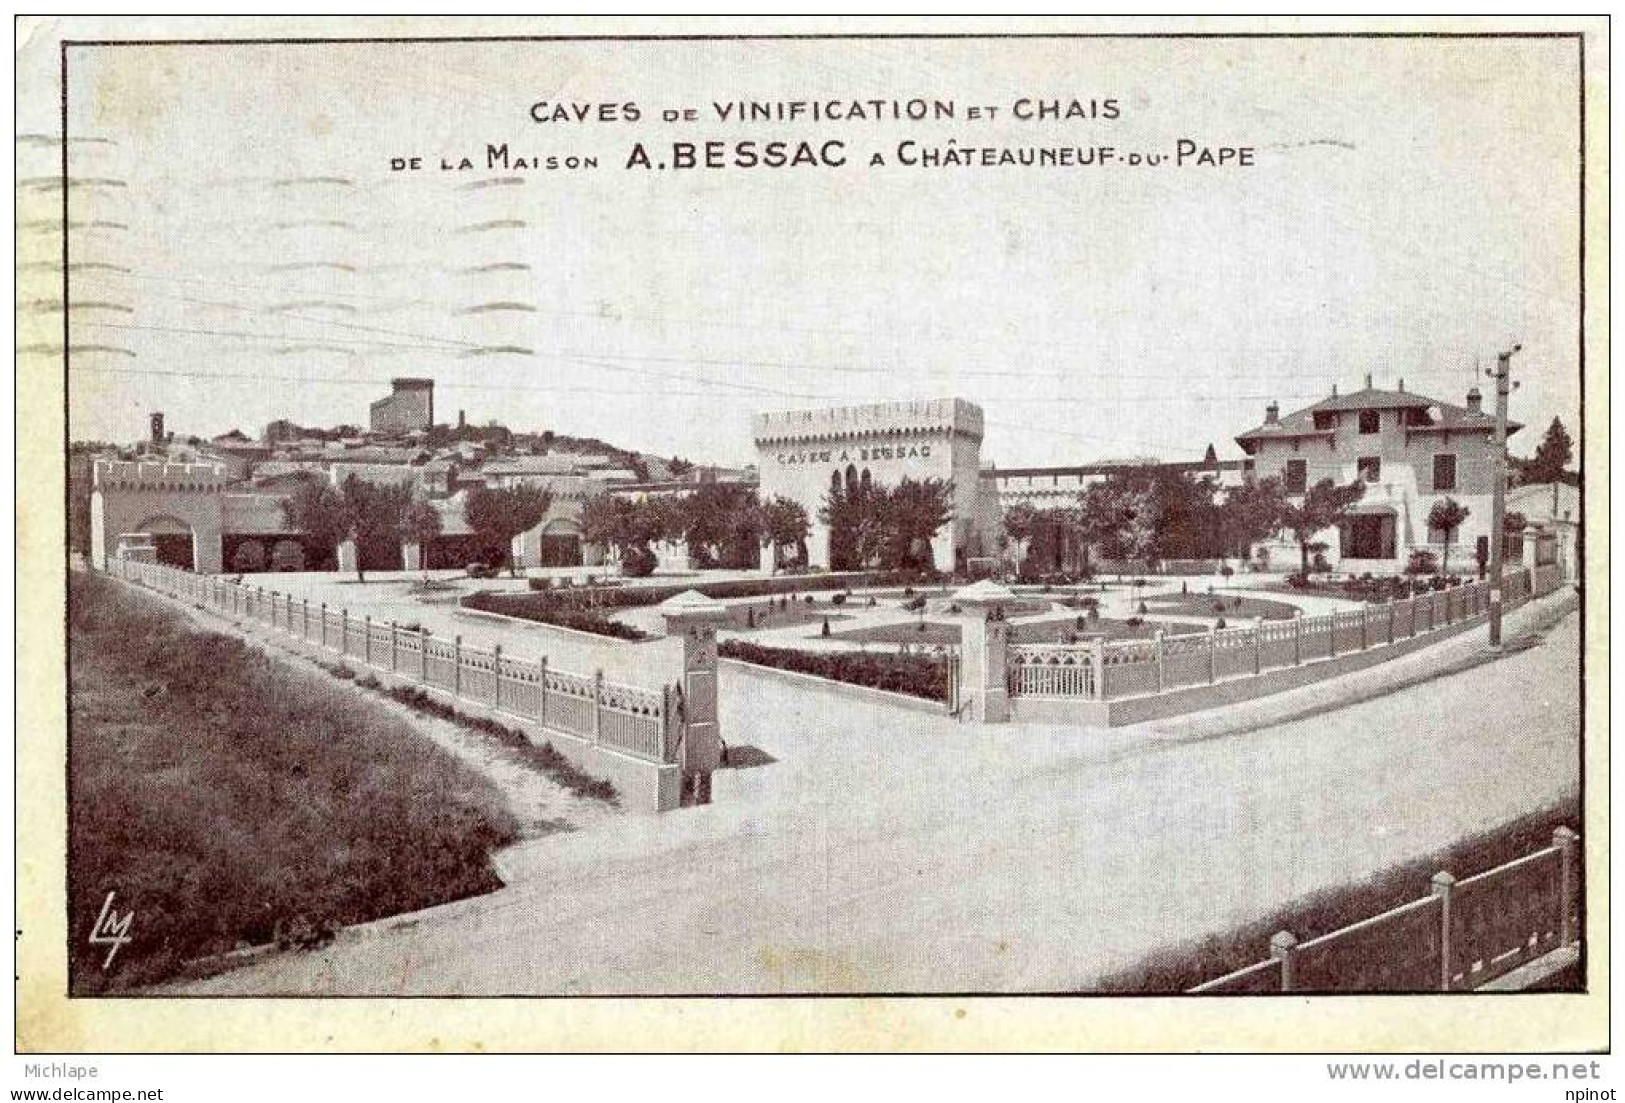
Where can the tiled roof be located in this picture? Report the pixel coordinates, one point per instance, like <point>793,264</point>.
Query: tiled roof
<point>1373,398</point>
<point>1446,416</point>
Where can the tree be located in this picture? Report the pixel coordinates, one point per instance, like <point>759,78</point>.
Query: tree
<point>1324,505</point>
<point>1446,517</point>
<point>498,514</point>
<point>1552,455</point>
<point>606,520</point>
<point>317,509</point>
<point>249,557</point>
<point>722,525</point>
<point>1018,522</point>
<point>914,512</point>
<point>1252,512</point>
<point>785,524</point>
<point>377,515</point>
<point>356,511</point>
<point>1120,514</point>
<point>420,525</point>
<point>855,519</point>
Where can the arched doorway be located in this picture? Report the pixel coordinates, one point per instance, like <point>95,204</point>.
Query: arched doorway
<point>174,539</point>
<point>558,544</point>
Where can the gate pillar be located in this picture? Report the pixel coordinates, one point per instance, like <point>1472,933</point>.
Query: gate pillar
<point>984,650</point>
<point>692,619</point>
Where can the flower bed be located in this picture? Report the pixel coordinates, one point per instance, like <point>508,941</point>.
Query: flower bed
<point>562,614</point>
<point>914,675</point>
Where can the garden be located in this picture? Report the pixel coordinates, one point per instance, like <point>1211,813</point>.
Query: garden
<point>914,675</point>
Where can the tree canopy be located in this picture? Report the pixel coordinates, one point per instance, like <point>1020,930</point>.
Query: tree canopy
<point>892,527</point>
<point>498,514</point>
<point>1552,456</point>
<point>1324,506</point>
<point>1446,517</point>
<point>363,512</point>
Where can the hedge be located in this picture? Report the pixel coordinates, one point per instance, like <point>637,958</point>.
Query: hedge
<point>913,675</point>
<point>561,614</point>
<point>621,597</point>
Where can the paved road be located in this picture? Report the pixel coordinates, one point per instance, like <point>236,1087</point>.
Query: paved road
<point>892,852</point>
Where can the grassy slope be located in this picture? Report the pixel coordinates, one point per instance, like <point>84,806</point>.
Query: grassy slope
<point>228,799</point>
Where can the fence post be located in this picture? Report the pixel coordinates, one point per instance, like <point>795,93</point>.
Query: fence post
<point>304,619</point>
<point>665,723</point>
<point>1159,642</point>
<point>597,705</point>
<point>1258,645</point>
<point>1283,948</point>
<point>496,676</point>
<point>324,624</point>
<point>1212,654</point>
<point>1365,626</point>
<point>1443,887</point>
<point>541,693</point>
<point>457,666</point>
<point>366,639</point>
<point>394,646</point>
<point>1297,637</point>
<point>1565,840</point>
<point>1331,633</point>
<point>1097,666</point>
<point>1391,605</point>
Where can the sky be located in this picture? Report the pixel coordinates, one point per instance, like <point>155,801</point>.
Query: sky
<point>241,249</point>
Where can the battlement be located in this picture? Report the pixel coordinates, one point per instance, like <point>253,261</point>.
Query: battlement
<point>935,415</point>
<point>158,475</point>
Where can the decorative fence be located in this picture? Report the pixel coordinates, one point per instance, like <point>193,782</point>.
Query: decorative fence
<point>1110,670</point>
<point>1462,936</point>
<point>644,723</point>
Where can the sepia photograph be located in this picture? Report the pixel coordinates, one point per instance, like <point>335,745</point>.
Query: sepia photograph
<point>1073,513</point>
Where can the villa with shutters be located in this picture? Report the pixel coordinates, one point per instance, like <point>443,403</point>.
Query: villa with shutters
<point>1410,450</point>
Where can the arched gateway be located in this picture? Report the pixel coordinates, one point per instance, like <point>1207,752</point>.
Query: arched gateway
<point>178,504</point>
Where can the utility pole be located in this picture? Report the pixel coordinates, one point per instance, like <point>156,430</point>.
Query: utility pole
<point>1502,374</point>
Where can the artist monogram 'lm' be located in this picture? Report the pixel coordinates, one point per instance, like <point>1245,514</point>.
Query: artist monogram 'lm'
<point>112,929</point>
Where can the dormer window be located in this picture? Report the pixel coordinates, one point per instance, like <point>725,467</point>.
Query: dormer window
<point>1325,419</point>
<point>1370,421</point>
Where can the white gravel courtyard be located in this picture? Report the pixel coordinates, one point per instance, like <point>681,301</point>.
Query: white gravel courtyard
<point>898,851</point>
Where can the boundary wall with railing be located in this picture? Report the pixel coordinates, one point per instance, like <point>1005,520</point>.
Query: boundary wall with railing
<point>630,735</point>
<point>1124,681</point>
<point>1465,935</point>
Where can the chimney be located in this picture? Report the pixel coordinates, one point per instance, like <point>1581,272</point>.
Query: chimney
<point>462,419</point>
<point>1368,381</point>
<point>1402,386</point>
<point>1475,401</point>
<point>157,423</point>
<point>1272,413</point>
<point>1334,390</point>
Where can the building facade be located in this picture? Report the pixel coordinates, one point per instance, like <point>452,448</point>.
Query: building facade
<point>1409,450</point>
<point>409,406</point>
<point>801,454</point>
